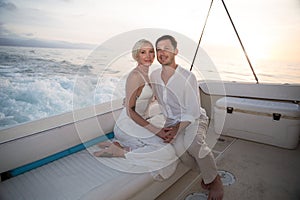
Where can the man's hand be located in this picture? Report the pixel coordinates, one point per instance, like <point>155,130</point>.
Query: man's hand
<point>162,133</point>
<point>168,134</point>
<point>171,134</point>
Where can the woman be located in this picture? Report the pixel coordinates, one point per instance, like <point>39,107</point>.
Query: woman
<point>135,138</point>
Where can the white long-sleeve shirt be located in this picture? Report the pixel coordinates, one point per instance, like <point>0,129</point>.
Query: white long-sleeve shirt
<point>179,98</point>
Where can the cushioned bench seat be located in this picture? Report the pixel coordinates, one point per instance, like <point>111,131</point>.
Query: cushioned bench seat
<point>82,176</point>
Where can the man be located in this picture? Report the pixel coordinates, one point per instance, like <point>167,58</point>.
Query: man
<point>177,92</point>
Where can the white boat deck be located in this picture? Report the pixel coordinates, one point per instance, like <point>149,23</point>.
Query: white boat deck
<point>261,172</point>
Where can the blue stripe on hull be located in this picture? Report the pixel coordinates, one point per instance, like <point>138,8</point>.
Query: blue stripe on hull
<point>74,149</point>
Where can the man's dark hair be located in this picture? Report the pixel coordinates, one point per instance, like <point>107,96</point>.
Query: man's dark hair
<point>167,37</point>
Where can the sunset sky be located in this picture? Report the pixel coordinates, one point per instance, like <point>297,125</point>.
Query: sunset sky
<point>270,29</point>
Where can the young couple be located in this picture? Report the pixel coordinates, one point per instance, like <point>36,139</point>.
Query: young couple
<point>176,91</point>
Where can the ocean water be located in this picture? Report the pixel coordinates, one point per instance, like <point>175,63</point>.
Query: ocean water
<point>39,82</point>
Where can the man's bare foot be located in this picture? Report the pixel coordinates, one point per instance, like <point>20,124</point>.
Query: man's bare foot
<point>215,188</point>
<point>204,186</point>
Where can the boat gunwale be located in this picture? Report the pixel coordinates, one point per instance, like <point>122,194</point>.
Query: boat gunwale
<point>53,122</point>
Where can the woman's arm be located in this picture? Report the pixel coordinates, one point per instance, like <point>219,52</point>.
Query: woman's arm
<point>134,87</point>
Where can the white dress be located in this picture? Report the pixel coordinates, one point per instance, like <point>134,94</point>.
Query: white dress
<point>147,149</point>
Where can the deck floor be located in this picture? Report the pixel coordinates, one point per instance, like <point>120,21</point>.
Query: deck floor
<point>261,172</point>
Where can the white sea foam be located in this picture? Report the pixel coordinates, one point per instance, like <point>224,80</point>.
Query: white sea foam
<point>40,83</point>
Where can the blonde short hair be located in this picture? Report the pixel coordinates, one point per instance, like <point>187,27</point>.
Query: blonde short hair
<point>137,47</point>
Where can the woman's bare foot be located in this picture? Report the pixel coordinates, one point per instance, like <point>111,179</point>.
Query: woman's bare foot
<point>215,188</point>
<point>103,153</point>
<point>114,150</point>
<point>104,144</point>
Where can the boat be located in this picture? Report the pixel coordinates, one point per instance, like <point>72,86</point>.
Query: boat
<point>50,158</point>
<point>253,132</point>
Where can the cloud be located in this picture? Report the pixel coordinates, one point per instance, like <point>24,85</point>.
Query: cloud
<point>7,6</point>
<point>29,34</point>
<point>4,32</point>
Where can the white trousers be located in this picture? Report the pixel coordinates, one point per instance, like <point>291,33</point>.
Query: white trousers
<point>191,148</point>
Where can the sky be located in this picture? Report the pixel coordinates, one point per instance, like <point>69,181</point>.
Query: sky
<point>269,29</point>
